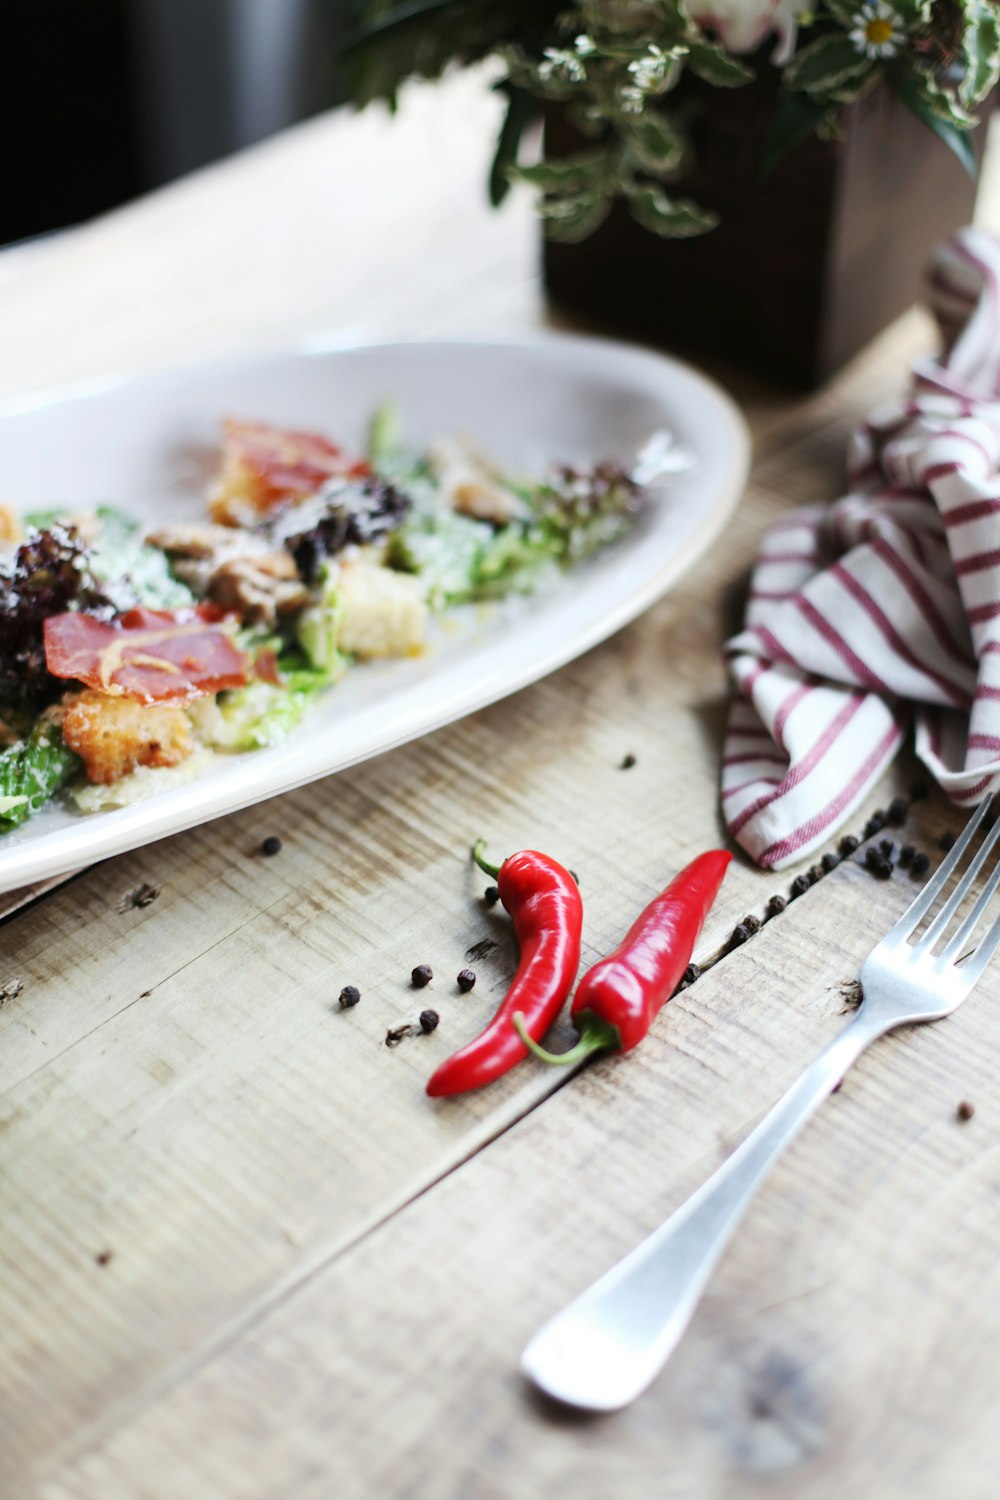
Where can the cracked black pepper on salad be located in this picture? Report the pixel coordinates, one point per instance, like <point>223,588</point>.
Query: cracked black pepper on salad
<point>129,658</point>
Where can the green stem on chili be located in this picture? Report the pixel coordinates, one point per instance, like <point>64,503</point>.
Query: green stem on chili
<point>482,861</point>
<point>595,1036</point>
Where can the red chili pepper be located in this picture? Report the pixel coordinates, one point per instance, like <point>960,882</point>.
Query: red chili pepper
<point>544,902</point>
<point>618,999</point>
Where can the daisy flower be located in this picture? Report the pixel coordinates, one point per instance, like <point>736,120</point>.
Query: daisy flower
<point>877,30</point>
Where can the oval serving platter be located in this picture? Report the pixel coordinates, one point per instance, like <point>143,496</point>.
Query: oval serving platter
<point>147,445</point>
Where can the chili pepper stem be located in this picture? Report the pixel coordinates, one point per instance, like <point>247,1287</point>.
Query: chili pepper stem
<point>595,1036</point>
<point>482,861</point>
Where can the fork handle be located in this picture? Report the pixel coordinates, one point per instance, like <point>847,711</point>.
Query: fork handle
<point>605,1347</point>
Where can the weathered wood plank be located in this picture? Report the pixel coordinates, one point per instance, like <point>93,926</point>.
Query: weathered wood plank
<point>847,1340</point>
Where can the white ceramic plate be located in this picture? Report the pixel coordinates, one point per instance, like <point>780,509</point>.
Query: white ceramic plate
<point>147,446</point>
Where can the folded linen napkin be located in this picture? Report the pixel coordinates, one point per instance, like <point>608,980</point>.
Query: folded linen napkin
<point>884,608</point>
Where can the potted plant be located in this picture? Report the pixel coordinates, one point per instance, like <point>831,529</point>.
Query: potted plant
<point>743,177</point>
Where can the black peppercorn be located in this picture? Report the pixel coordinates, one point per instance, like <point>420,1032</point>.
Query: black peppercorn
<point>946,842</point>
<point>752,923</point>
<point>920,864</point>
<point>491,895</point>
<point>740,934</point>
<point>691,973</point>
<point>421,976</point>
<point>848,844</point>
<point>875,824</point>
<point>628,761</point>
<point>906,854</point>
<point>271,845</point>
<point>349,995</point>
<point>965,1110</point>
<point>800,885</point>
<point>896,813</point>
<point>881,867</point>
<point>466,979</point>
<point>775,905</point>
<point>886,846</point>
<point>428,1021</point>
<point>816,873</point>
<point>830,861</point>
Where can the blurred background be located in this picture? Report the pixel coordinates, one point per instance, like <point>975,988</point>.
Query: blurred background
<point>101,100</point>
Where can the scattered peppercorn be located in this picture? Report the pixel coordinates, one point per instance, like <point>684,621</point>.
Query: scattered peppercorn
<point>800,885</point>
<point>918,791</point>
<point>920,864</point>
<point>848,844</point>
<point>349,995</point>
<point>830,861</point>
<point>896,813</point>
<point>740,934</point>
<point>628,761</point>
<point>428,1021</point>
<point>466,979</point>
<point>816,873</point>
<point>491,895</point>
<point>906,854</point>
<point>271,845</point>
<point>752,923</point>
<point>965,1110</point>
<point>886,846</point>
<point>691,973</point>
<point>421,976</point>
<point>878,863</point>
<point>946,842</point>
<point>776,905</point>
<point>875,824</point>
<point>103,1257</point>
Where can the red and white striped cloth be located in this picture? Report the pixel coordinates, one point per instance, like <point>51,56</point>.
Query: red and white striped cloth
<point>884,608</point>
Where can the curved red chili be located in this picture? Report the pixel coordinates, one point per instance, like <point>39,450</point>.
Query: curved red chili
<point>544,902</point>
<point>618,999</point>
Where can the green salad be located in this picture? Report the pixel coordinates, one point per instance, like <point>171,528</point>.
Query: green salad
<point>129,657</point>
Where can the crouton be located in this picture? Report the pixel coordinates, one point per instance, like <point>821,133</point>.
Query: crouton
<point>384,613</point>
<point>114,735</point>
<point>10,526</point>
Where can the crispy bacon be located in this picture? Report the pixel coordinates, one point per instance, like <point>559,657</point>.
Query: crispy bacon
<point>264,467</point>
<point>154,656</point>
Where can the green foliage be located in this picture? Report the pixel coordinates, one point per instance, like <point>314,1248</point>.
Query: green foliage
<point>31,771</point>
<point>614,63</point>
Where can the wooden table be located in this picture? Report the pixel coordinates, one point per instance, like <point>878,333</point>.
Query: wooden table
<point>243,1255</point>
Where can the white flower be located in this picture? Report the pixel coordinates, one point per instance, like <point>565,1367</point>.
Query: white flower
<point>585,45</point>
<point>651,70</point>
<point>743,25</point>
<point>562,66</point>
<point>632,99</point>
<point>877,30</point>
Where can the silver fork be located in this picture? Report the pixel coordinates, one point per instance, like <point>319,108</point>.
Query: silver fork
<point>603,1349</point>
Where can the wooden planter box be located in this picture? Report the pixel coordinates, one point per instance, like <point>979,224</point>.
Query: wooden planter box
<point>804,268</point>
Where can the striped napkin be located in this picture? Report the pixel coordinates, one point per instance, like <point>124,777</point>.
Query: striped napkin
<point>883,609</point>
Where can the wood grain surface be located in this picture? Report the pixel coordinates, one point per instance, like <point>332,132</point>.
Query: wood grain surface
<point>242,1254</point>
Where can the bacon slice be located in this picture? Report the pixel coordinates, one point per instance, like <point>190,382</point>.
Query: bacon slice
<point>154,656</point>
<point>264,467</point>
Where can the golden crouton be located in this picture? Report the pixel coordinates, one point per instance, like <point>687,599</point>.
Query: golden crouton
<point>114,735</point>
<point>10,525</point>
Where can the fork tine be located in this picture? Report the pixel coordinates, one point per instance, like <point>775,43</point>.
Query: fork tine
<point>956,944</point>
<point>926,898</point>
<point>972,971</point>
<point>960,892</point>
